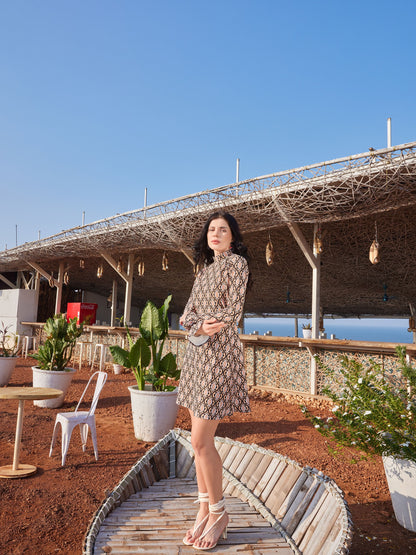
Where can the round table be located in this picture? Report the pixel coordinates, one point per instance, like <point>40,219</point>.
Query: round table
<point>22,394</point>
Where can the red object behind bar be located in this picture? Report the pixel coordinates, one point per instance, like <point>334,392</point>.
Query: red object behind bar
<point>83,312</point>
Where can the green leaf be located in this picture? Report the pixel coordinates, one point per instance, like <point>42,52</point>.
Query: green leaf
<point>120,356</point>
<point>151,324</point>
<point>140,354</point>
<point>168,365</point>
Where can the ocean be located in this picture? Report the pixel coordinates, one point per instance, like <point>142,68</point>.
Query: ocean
<point>368,329</point>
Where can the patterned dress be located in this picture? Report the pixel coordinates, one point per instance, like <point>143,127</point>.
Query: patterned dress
<point>213,381</point>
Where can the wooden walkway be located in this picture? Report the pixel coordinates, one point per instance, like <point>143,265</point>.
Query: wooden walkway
<point>155,520</point>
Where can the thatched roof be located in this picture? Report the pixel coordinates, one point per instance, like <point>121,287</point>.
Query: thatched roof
<point>346,197</point>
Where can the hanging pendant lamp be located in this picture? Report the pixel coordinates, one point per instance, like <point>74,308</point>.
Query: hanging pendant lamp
<point>140,267</point>
<point>318,241</point>
<point>165,265</point>
<point>374,255</point>
<point>269,252</point>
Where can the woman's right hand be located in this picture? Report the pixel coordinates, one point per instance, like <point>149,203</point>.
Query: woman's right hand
<point>210,327</point>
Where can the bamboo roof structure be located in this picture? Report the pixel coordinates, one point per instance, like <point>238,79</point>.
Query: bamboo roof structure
<point>351,199</point>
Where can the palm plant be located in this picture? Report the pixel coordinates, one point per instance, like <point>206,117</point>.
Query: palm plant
<point>61,337</point>
<point>145,355</point>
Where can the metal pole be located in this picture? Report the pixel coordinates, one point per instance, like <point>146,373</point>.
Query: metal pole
<point>237,172</point>
<point>16,235</point>
<point>83,217</point>
<point>145,200</point>
<point>388,132</point>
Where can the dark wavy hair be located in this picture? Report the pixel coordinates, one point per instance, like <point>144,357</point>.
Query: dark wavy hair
<point>204,255</point>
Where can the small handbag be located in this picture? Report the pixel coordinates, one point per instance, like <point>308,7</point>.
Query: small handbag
<point>198,340</point>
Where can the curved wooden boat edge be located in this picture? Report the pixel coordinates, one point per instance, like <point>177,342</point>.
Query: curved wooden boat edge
<point>304,505</point>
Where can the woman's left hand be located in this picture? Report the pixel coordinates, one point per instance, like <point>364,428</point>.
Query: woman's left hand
<point>210,327</point>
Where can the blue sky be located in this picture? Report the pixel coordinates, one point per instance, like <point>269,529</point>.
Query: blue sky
<point>101,99</point>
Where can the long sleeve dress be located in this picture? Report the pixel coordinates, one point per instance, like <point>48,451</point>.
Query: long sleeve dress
<point>213,381</point>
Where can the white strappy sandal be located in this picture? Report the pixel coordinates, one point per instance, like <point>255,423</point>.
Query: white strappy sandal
<point>217,509</point>
<point>202,498</point>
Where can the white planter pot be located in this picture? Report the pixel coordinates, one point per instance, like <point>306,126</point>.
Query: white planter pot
<point>118,368</point>
<point>52,378</point>
<point>307,334</point>
<point>401,478</point>
<point>7,365</point>
<point>154,413</point>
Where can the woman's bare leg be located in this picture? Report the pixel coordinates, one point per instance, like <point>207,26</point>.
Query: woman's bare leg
<point>209,475</point>
<point>203,432</point>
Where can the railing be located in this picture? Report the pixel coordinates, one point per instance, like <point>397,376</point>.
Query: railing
<point>277,363</point>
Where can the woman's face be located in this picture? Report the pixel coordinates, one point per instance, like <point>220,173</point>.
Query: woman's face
<point>219,236</point>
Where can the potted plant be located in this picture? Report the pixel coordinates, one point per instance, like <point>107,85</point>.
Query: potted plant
<point>53,358</point>
<point>307,330</point>
<point>153,399</point>
<point>378,417</point>
<point>9,349</point>
<point>118,368</point>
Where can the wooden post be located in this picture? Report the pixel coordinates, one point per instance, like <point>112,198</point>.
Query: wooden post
<point>58,300</point>
<point>114,303</point>
<point>19,427</point>
<point>316,291</point>
<point>315,263</point>
<point>129,289</point>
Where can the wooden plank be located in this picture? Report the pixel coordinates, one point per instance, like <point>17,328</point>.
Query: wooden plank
<point>245,461</point>
<point>252,466</point>
<point>162,463</point>
<point>150,473</point>
<point>271,477</point>
<point>155,519</point>
<point>265,478</point>
<point>184,461</point>
<point>228,488</point>
<point>234,457</point>
<point>259,471</point>
<point>223,448</point>
<point>144,476</point>
<point>310,514</point>
<point>191,474</point>
<point>281,507</point>
<point>322,541</point>
<point>292,518</point>
<point>335,535</point>
<point>136,482</point>
<point>317,527</point>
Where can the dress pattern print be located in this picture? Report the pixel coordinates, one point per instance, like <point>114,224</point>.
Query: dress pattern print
<point>213,381</point>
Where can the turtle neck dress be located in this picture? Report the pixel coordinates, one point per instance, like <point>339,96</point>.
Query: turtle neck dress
<point>213,381</point>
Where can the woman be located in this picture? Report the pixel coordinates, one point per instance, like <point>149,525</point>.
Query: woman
<point>213,382</point>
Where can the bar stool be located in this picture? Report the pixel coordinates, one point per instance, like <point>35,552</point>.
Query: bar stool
<point>88,349</point>
<point>26,343</point>
<point>101,350</point>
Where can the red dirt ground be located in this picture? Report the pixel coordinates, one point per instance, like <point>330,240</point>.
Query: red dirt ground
<point>49,512</point>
